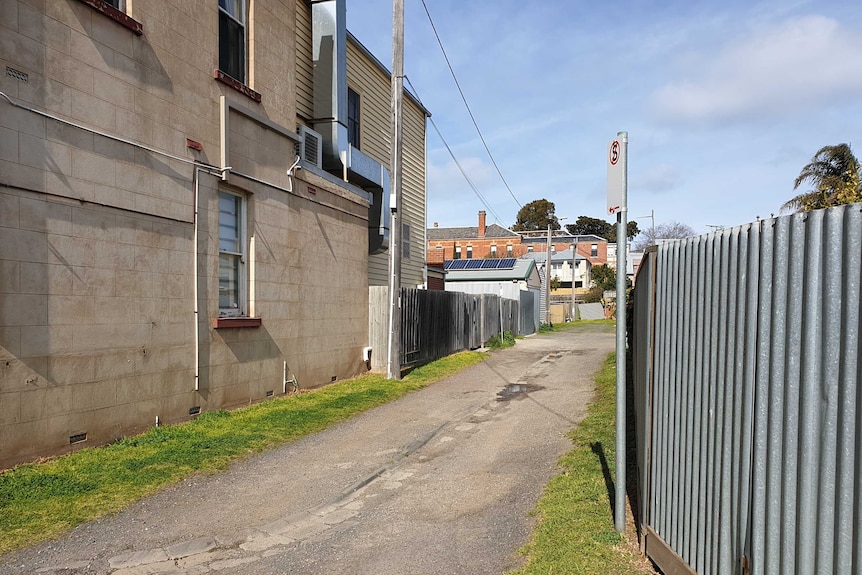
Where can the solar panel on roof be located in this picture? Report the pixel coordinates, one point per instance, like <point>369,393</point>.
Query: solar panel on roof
<point>489,264</point>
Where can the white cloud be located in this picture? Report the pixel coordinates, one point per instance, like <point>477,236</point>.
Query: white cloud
<point>657,179</point>
<point>803,62</point>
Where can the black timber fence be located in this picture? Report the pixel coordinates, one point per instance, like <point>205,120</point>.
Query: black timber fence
<point>435,324</point>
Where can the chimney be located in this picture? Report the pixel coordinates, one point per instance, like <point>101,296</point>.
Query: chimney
<point>482,224</point>
<point>436,225</point>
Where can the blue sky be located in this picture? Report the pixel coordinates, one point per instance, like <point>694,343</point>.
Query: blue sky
<point>724,101</point>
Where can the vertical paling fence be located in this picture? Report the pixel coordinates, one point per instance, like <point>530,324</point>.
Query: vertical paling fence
<point>437,323</point>
<point>527,313</point>
<point>746,369</point>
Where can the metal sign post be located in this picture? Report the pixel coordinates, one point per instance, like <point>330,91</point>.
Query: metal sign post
<point>617,204</point>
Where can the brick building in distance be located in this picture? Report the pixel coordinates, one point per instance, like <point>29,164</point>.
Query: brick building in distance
<point>495,241</point>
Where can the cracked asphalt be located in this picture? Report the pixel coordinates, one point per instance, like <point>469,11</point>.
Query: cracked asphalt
<point>442,481</point>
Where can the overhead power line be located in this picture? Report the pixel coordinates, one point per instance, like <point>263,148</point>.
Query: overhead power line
<point>469,111</point>
<point>454,159</point>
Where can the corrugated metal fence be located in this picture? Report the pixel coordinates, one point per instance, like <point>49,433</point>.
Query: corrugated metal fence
<point>746,365</point>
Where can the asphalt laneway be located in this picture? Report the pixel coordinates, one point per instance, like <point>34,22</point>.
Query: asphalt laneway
<point>442,481</point>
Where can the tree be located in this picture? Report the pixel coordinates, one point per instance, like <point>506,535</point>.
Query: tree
<point>604,277</point>
<point>834,174</point>
<point>586,225</point>
<point>666,231</point>
<point>536,216</point>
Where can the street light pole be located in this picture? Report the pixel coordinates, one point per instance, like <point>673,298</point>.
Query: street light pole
<point>651,216</point>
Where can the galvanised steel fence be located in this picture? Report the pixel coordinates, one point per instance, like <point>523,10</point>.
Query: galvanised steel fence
<point>746,366</point>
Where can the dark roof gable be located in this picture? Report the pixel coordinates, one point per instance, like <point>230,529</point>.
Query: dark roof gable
<point>492,231</point>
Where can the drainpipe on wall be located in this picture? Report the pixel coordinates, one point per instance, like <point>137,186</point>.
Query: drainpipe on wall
<point>219,172</point>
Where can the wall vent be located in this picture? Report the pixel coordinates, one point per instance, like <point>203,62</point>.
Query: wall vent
<point>17,74</point>
<point>310,146</point>
<point>269,393</point>
<point>77,438</point>
<point>195,410</point>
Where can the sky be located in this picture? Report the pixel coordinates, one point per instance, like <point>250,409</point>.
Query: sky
<point>724,101</point>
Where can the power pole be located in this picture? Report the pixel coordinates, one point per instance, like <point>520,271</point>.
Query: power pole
<point>393,369</point>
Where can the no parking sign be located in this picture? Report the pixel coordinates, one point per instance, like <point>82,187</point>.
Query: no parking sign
<point>617,173</point>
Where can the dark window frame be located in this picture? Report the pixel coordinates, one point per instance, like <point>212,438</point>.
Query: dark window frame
<point>233,40</point>
<point>354,113</point>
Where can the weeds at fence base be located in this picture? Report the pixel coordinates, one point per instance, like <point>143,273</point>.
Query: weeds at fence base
<point>495,342</point>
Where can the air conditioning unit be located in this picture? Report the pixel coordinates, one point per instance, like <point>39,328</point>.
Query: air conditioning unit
<point>310,146</point>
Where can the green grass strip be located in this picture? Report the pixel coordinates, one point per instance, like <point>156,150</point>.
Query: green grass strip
<point>43,500</point>
<point>575,532</point>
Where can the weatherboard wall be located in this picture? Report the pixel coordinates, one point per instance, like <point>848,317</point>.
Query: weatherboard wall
<point>370,79</point>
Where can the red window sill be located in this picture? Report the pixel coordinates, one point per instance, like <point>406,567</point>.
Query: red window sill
<point>237,85</point>
<point>116,15</point>
<point>225,322</point>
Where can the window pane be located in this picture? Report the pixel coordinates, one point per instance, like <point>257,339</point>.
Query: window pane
<point>232,7</point>
<point>228,223</point>
<point>228,282</point>
<point>231,47</point>
<point>353,118</point>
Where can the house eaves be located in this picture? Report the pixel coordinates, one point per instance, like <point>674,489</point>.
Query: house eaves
<point>372,58</point>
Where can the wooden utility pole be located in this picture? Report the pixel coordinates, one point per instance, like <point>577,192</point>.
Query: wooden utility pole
<point>393,370</point>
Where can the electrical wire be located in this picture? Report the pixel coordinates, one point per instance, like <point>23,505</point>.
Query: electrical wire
<point>454,159</point>
<point>466,177</point>
<point>469,111</point>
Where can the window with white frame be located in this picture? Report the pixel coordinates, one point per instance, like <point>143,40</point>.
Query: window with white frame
<point>594,250</point>
<point>493,250</point>
<point>232,299</point>
<point>231,38</point>
<point>457,255</point>
<point>469,252</point>
<point>508,250</point>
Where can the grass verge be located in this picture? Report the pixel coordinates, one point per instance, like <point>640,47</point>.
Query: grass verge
<point>42,500</point>
<point>546,328</point>
<point>575,531</point>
